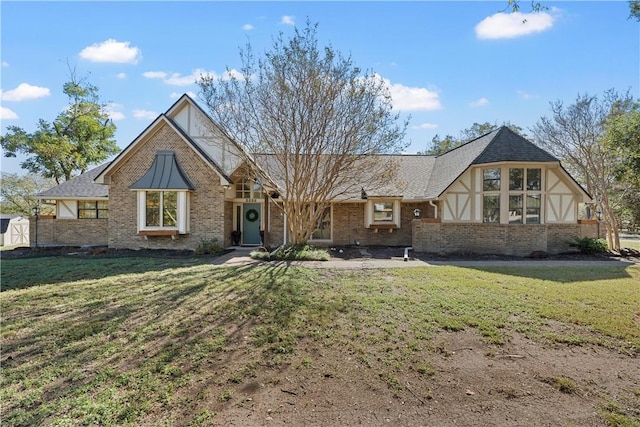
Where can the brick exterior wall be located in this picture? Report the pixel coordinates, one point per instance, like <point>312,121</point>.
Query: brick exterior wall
<point>69,232</point>
<point>505,239</point>
<point>209,214</point>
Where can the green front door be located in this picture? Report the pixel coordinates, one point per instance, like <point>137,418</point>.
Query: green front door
<point>251,219</point>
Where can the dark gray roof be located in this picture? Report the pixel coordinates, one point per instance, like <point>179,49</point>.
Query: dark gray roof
<point>81,186</point>
<point>499,145</point>
<point>508,146</point>
<point>164,174</point>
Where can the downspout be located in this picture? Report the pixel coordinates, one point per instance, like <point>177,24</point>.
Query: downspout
<point>435,207</point>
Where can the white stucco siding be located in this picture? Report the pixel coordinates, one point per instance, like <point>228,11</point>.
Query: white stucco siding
<point>67,209</point>
<point>211,140</point>
<point>561,203</point>
<point>457,202</point>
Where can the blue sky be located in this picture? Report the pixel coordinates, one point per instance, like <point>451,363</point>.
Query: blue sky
<point>447,64</point>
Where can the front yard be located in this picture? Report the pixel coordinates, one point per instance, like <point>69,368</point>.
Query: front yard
<point>175,341</point>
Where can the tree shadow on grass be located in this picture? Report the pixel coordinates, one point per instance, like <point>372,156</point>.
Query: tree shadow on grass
<point>563,273</point>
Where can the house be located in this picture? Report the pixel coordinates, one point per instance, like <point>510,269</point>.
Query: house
<point>182,181</point>
<point>14,230</point>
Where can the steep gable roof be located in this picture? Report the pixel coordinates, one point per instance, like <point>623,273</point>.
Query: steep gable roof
<point>159,121</point>
<point>80,187</point>
<point>499,145</point>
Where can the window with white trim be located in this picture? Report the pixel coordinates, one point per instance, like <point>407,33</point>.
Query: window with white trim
<point>163,210</point>
<point>382,212</point>
<point>491,196</point>
<point>525,196</point>
<point>247,189</point>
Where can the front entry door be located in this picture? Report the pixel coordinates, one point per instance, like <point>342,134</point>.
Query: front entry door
<point>251,224</point>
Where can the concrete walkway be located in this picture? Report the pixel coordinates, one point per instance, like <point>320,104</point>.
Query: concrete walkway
<point>241,258</point>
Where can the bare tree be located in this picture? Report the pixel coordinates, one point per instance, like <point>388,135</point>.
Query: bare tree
<point>576,135</point>
<point>311,122</point>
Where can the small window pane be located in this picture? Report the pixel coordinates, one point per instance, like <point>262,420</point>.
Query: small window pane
<point>383,212</point>
<point>515,209</point>
<point>533,208</point>
<point>491,209</point>
<point>153,209</point>
<point>516,179</point>
<point>170,209</point>
<point>491,180</point>
<point>534,182</point>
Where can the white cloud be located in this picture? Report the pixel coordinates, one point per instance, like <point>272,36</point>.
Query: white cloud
<point>25,91</point>
<point>121,76</point>
<point>111,51</point>
<point>406,98</point>
<point>154,74</point>
<point>7,114</point>
<point>526,96</point>
<point>145,114</point>
<point>175,95</point>
<point>247,27</point>
<point>5,64</point>
<point>512,25</point>
<point>288,20</point>
<point>114,111</point>
<point>479,102</point>
<point>426,126</point>
<point>177,79</point>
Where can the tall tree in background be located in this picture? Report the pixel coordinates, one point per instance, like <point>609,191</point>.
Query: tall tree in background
<point>623,138</point>
<point>18,193</point>
<point>577,135</point>
<point>442,145</point>
<point>81,136</point>
<point>317,117</point>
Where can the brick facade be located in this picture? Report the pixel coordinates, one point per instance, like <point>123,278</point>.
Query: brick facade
<point>209,213</point>
<point>69,232</point>
<point>506,239</point>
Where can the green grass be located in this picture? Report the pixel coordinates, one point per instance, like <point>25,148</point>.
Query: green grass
<point>152,341</point>
<point>633,244</point>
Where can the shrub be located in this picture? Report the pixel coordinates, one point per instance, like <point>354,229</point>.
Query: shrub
<point>293,253</point>
<point>590,245</point>
<point>209,246</point>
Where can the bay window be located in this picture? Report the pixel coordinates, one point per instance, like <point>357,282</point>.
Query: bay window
<point>163,210</point>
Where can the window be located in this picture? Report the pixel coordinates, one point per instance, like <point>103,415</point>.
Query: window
<point>524,195</point>
<point>161,209</point>
<point>491,180</point>
<point>491,196</point>
<point>323,226</point>
<point>247,189</point>
<point>491,209</point>
<point>383,212</point>
<point>91,209</point>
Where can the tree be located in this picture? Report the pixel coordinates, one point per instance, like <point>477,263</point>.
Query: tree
<point>514,5</point>
<point>440,146</point>
<point>317,117</point>
<point>18,193</point>
<point>81,136</point>
<point>577,136</point>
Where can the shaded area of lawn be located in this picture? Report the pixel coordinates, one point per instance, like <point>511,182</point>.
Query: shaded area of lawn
<point>121,341</point>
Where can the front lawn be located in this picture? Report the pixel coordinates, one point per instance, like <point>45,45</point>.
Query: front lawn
<point>177,341</point>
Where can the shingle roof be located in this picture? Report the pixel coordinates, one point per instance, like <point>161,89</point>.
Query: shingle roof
<point>508,146</point>
<point>81,186</point>
<point>417,176</point>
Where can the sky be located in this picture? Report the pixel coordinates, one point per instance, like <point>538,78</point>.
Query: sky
<point>447,64</point>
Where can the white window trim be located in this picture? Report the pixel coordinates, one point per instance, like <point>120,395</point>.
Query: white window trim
<point>183,222</point>
<point>369,208</point>
<point>504,192</point>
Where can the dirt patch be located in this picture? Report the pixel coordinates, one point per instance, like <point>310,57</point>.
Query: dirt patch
<point>462,381</point>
